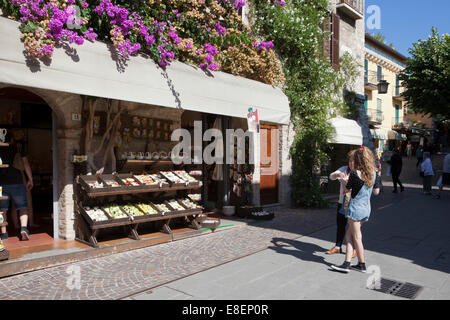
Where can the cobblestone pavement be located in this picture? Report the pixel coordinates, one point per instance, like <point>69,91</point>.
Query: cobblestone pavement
<point>123,274</point>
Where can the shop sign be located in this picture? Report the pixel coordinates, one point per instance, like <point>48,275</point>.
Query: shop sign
<point>252,120</point>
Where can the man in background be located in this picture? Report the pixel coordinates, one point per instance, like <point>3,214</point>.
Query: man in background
<point>396,168</point>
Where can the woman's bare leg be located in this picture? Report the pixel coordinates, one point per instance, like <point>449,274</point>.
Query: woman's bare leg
<point>357,240</point>
<point>350,246</point>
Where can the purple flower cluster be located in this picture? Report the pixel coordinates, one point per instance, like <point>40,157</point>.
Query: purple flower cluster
<point>221,31</point>
<point>279,2</point>
<point>211,51</point>
<point>61,23</point>
<point>263,45</point>
<point>237,4</point>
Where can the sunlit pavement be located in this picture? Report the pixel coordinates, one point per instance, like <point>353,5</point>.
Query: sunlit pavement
<point>406,239</point>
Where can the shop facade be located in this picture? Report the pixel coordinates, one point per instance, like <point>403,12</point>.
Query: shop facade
<point>90,94</point>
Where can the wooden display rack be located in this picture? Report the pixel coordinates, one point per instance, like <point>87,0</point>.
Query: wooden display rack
<point>87,229</point>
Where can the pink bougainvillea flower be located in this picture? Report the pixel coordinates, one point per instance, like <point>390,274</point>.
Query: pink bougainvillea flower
<point>213,66</point>
<point>209,58</point>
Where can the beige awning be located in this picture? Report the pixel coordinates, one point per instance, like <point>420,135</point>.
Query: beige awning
<point>91,70</point>
<point>346,131</point>
<point>378,134</point>
<point>394,135</point>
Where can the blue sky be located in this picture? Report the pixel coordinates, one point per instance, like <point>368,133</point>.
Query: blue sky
<point>403,22</point>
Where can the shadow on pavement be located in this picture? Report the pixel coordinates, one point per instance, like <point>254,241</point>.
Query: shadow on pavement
<point>303,250</point>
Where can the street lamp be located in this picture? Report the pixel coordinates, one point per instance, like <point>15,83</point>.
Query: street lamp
<point>383,86</point>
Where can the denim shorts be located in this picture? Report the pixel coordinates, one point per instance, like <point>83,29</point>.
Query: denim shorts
<point>17,193</point>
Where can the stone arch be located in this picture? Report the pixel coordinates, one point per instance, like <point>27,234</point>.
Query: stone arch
<point>68,140</point>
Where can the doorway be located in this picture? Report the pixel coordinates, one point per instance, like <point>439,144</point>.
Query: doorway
<point>29,119</point>
<point>269,164</point>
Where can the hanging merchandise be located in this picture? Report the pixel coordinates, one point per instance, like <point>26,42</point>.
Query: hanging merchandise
<point>218,171</point>
<point>126,136</point>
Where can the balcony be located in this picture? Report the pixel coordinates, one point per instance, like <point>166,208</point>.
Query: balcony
<point>398,93</point>
<point>370,82</point>
<point>374,116</point>
<point>352,8</point>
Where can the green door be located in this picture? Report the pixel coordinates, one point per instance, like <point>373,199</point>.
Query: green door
<point>365,102</point>
<point>397,114</point>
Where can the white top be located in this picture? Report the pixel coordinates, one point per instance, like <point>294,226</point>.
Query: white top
<point>427,167</point>
<point>346,171</point>
<point>447,163</point>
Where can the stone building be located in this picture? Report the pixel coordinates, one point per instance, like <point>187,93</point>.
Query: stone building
<point>179,94</point>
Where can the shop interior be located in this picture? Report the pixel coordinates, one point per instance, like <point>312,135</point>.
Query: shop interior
<point>29,119</point>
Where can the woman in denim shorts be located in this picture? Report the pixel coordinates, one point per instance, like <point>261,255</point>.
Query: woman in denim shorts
<point>362,181</point>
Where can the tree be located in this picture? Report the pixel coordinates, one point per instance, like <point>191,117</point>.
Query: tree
<point>382,39</point>
<point>427,76</point>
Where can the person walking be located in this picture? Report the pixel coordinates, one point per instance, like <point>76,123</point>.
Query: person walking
<point>419,155</point>
<point>362,182</point>
<point>409,150</point>
<point>13,186</point>
<point>426,169</point>
<point>445,175</point>
<point>342,175</point>
<point>396,164</point>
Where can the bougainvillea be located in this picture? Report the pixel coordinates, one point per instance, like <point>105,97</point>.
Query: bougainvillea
<point>206,33</point>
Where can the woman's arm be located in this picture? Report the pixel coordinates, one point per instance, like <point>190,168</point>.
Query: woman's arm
<point>27,167</point>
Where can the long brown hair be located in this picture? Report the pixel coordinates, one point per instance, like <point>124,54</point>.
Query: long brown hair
<point>364,161</point>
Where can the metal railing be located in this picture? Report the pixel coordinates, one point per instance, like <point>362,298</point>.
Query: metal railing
<point>372,77</point>
<point>375,115</point>
<point>358,5</point>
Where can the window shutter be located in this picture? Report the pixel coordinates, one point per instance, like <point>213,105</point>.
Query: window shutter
<point>335,22</point>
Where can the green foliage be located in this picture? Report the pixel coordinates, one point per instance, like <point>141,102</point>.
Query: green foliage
<point>427,76</point>
<point>382,39</point>
<point>314,89</point>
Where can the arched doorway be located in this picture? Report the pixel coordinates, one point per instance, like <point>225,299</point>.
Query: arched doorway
<point>31,121</point>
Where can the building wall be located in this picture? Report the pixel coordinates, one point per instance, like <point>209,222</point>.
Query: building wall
<point>389,71</point>
<point>420,117</point>
<point>351,40</point>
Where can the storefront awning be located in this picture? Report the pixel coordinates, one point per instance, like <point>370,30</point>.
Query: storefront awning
<point>346,132</point>
<point>379,134</point>
<point>91,69</point>
<point>394,135</point>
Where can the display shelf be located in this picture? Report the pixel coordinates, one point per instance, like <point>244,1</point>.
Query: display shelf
<point>122,191</point>
<point>147,162</point>
<point>4,144</point>
<point>4,198</point>
<point>4,166</point>
<point>88,229</point>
